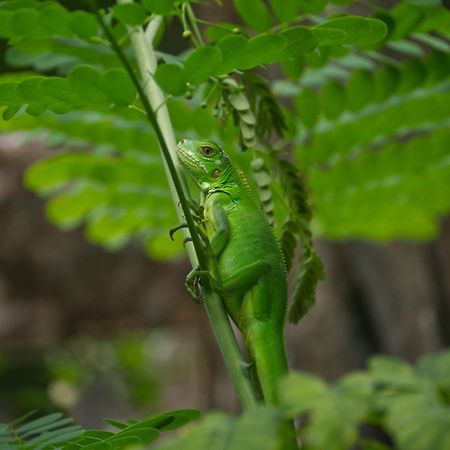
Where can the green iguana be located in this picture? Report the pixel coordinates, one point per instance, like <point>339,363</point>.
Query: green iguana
<point>252,276</point>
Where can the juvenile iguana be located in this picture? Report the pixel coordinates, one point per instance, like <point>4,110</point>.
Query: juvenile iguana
<point>253,282</point>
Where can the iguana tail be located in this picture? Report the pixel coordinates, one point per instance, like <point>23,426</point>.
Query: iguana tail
<point>266,346</point>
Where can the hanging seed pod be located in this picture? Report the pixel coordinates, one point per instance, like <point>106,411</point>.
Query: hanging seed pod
<point>239,101</point>
<point>263,180</point>
<point>242,112</point>
<point>247,117</point>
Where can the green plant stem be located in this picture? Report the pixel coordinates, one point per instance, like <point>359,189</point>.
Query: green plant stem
<point>194,25</point>
<point>151,99</point>
<point>152,30</point>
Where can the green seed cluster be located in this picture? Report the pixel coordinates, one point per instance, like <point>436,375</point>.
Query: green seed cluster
<point>263,179</point>
<point>246,119</point>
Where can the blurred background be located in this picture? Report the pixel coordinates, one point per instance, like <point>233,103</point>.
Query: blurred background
<point>96,333</point>
<point>100,334</point>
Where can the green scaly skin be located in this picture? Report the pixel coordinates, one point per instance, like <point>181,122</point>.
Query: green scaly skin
<point>252,277</point>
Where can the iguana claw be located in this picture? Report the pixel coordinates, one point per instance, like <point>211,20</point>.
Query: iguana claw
<point>196,210</point>
<point>200,232</point>
<point>192,285</point>
<point>173,230</point>
<point>195,293</point>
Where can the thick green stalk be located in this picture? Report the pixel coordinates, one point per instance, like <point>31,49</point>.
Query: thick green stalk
<point>152,99</point>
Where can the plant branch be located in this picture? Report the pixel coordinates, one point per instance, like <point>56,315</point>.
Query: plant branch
<point>152,28</point>
<point>151,97</point>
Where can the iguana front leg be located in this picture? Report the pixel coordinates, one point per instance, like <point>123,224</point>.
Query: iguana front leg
<point>234,288</point>
<point>217,226</point>
<point>193,279</point>
<point>197,210</point>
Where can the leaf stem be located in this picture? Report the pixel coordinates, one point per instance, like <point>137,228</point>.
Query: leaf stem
<point>151,98</point>
<point>194,25</point>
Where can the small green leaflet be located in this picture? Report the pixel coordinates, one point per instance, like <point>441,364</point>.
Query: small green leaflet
<point>130,13</point>
<point>158,6</point>
<point>356,30</point>
<point>254,13</point>
<point>172,78</point>
<point>83,86</point>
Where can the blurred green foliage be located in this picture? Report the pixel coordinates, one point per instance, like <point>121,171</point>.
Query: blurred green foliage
<point>360,102</point>
<point>409,406</point>
<point>53,431</point>
<point>138,366</point>
<point>370,93</point>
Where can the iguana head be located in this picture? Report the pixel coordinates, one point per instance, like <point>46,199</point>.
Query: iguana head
<point>205,161</point>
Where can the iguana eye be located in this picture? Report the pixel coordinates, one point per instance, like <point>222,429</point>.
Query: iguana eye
<point>207,150</point>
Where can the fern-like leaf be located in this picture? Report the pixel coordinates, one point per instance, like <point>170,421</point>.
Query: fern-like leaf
<point>260,428</point>
<point>310,268</point>
<point>38,434</point>
<point>53,432</point>
<point>288,242</point>
<point>311,272</point>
